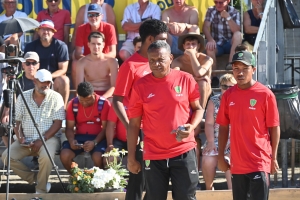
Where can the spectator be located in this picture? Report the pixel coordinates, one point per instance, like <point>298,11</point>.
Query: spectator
<point>89,118</point>
<point>54,57</point>
<point>116,135</point>
<point>241,47</point>
<point>137,43</point>
<point>210,148</point>
<point>95,24</point>
<point>97,69</point>
<point>48,109</point>
<point>165,100</point>
<point>195,63</point>
<point>250,109</point>
<point>108,16</point>
<point>131,71</point>
<point>60,17</point>
<point>180,19</point>
<point>134,15</point>
<point>252,19</point>
<point>222,31</point>
<point>10,8</point>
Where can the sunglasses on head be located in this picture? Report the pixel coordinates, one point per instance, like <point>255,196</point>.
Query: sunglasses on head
<point>93,15</point>
<point>219,2</point>
<point>52,0</point>
<point>31,63</point>
<point>226,87</point>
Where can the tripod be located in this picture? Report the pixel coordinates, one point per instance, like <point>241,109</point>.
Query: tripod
<point>9,101</point>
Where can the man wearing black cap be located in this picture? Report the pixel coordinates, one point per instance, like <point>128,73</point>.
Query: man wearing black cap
<point>251,110</point>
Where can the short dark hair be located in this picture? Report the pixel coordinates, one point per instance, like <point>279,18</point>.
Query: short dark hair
<point>136,40</point>
<point>190,38</point>
<point>96,34</point>
<point>85,89</point>
<point>158,45</point>
<point>152,27</point>
<point>241,47</point>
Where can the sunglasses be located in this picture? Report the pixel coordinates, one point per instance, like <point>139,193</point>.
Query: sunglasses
<point>219,2</point>
<point>31,63</point>
<point>93,15</point>
<point>226,87</point>
<point>52,0</point>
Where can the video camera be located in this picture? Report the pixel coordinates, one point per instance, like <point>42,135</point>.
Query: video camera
<point>14,62</point>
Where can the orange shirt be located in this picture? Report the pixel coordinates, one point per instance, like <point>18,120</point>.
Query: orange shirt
<point>164,104</point>
<point>88,120</point>
<point>60,19</point>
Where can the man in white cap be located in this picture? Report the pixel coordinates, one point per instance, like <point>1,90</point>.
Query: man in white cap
<point>48,109</point>
<point>54,57</point>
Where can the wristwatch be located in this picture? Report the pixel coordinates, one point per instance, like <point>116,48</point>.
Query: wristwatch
<point>95,142</point>
<point>228,18</point>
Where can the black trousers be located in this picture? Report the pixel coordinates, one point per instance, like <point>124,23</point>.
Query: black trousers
<point>184,176</point>
<point>136,182</point>
<point>256,184</point>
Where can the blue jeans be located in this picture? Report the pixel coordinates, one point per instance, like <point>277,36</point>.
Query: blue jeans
<point>224,49</point>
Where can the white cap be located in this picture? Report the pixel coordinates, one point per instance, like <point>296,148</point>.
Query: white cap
<point>43,75</point>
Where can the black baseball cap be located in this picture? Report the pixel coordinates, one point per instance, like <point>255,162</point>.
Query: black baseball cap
<point>244,57</point>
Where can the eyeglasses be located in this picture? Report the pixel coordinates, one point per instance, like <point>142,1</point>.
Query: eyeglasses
<point>93,15</point>
<point>52,0</point>
<point>219,2</point>
<point>226,87</point>
<point>31,63</point>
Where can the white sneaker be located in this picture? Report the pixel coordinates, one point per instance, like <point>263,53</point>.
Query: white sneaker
<point>48,187</point>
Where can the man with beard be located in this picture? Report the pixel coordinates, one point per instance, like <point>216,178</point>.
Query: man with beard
<point>96,68</point>
<point>54,57</point>
<point>48,109</point>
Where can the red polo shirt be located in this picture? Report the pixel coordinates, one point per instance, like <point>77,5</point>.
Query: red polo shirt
<point>61,18</point>
<point>84,30</point>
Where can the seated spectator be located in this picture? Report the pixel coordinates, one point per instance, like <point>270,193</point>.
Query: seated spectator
<point>54,56</point>
<point>96,68</point>
<point>95,24</point>
<point>137,43</point>
<point>222,32</point>
<point>210,148</point>
<point>241,47</point>
<point>180,19</point>
<point>194,62</point>
<point>252,19</point>
<point>88,113</point>
<point>10,10</point>
<point>47,107</point>
<point>108,15</point>
<point>60,17</point>
<point>116,136</point>
<point>134,15</point>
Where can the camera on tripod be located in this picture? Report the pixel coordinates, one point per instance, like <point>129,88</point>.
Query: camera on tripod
<point>13,62</point>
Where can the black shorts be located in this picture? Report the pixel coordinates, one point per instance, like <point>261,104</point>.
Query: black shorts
<point>255,183</point>
<point>183,172</point>
<point>82,138</point>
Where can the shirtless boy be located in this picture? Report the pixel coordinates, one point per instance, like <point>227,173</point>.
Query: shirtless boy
<point>101,71</point>
<point>195,63</point>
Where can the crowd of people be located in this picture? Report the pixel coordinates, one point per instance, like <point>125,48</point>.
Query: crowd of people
<point>163,86</point>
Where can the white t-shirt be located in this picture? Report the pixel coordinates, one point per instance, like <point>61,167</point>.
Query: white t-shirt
<point>131,12</point>
<point>16,14</point>
<point>104,18</point>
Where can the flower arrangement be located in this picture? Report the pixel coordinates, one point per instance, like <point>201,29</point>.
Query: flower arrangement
<point>87,180</point>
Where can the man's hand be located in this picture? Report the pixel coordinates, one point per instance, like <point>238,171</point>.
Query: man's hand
<point>190,52</point>
<point>224,14</point>
<point>259,7</point>
<point>222,164</point>
<point>188,129</point>
<point>176,28</point>
<point>21,139</point>
<point>134,166</point>
<point>5,119</point>
<point>73,145</point>
<point>88,146</point>
<point>36,145</point>
<point>211,45</point>
<point>274,166</point>
<point>109,148</point>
